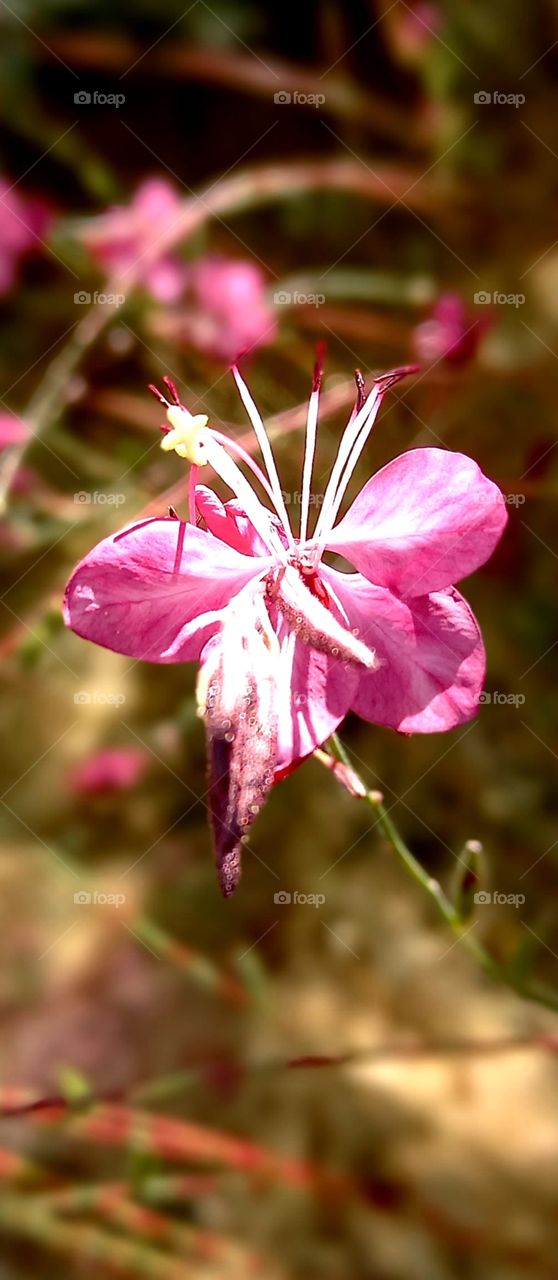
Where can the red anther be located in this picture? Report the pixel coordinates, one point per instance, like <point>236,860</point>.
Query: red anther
<point>319,366</point>
<point>173,390</point>
<point>361,390</point>
<point>158,394</point>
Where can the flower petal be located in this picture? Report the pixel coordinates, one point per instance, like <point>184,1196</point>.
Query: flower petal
<point>315,692</point>
<point>431,650</point>
<point>154,591</point>
<point>229,522</point>
<point>424,521</point>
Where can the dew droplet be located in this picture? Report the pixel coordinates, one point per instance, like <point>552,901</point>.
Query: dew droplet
<point>229,737</point>
<point>300,700</point>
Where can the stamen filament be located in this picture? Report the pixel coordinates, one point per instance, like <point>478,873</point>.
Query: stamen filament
<point>351,433</point>
<point>228,471</point>
<point>234,447</point>
<point>266,451</point>
<point>192,480</point>
<point>352,443</point>
<point>311,432</point>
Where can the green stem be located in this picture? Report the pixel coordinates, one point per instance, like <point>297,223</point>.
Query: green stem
<point>461,929</point>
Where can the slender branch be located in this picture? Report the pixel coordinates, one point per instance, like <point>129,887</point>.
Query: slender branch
<point>538,992</point>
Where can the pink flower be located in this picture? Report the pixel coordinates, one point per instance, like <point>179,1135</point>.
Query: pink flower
<point>412,28</point>
<point>287,644</point>
<point>231,314</point>
<point>12,431</point>
<point>451,334</point>
<point>112,769</point>
<point>120,238</point>
<point>23,223</point>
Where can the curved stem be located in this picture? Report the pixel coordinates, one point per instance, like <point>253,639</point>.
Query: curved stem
<point>537,992</point>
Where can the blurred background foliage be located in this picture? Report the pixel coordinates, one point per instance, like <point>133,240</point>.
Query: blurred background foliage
<point>422,1155</point>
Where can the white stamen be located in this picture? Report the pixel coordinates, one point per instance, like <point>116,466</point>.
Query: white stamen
<point>234,447</point>
<point>353,442</point>
<point>232,475</point>
<point>315,625</point>
<point>366,414</point>
<point>311,428</point>
<point>267,452</point>
<point>352,460</point>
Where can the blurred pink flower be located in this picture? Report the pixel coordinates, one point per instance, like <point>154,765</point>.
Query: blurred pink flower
<point>451,334</point>
<point>111,769</point>
<point>120,237</point>
<point>12,430</point>
<point>287,644</point>
<point>23,224</point>
<point>412,27</point>
<point>231,314</point>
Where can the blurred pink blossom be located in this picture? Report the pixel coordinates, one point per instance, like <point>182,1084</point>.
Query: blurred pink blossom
<point>119,238</point>
<point>12,430</point>
<point>111,769</point>
<point>231,313</point>
<point>450,334</point>
<point>412,27</point>
<point>23,223</point>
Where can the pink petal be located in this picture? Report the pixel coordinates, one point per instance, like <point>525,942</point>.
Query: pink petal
<point>229,522</point>
<point>165,280</point>
<point>424,521</point>
<point>111,769</point>
<point>321,689</point>
<point>315,693</point>
<point>432,654</point>
<point>150,592</point>
<point>12,430</point>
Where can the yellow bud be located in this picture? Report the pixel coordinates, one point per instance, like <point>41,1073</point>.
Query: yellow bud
<point>187,436</point>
